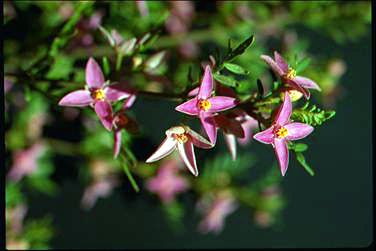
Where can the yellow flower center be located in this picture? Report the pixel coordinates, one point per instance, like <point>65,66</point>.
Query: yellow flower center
<point>282,132</point>
<point>291,74</point>
<point>99,94</point>
<point>204,105</point>
<point>294,95</point>
<point>181,138</point>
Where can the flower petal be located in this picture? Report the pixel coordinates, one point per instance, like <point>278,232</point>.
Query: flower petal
<point>275,67</point>
<point>221,103</point>
<point>189,107</point>
<point>104,113</point>
<point>281,62</point>
<point>306,83</point>
<point>280,148</point>
<point>206,85</point>
<point>94,74</point>
<point>207,121</point>
<point>198,140</point>
<point>248,127</point>
<point>78,98</point>
<point>285,111</point>
<point>188,155</point>
<point>193,92</point>
<point>231,144</point>
<point>129,102</point>
<point>168,146</point>
<point>116,92</point>
<point>298,87</point>
<point>117,143</point>
<point>265,136</point>
<point>298,130</point>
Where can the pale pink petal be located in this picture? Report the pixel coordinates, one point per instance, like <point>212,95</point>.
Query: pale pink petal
<point>190,107</point>
<point>248,127</point>
<point>298,87</point>
<point>188,155</point>
<point>94,74</point>
<point>221,103</point>
<point>280,148</point>
<point>207,121</point>
<point>129,102</point>
<point>116,92</point>
<point>104,113</point>
<point>79,98</point>
<point>206,87</point>
<point>168,146</point>
<point>281,62</point>
<point>265,137</point>
<point>198,140</point>
<point>273,65</point>
<point>306,83</point>
<point>285,111</point>
<point>231,144</point>
<point>193,92</point>
<point>117,142</point>
<point>298,130</point>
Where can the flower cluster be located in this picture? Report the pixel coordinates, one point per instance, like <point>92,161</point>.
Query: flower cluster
<point>236,123</point>
<point>100,95</point>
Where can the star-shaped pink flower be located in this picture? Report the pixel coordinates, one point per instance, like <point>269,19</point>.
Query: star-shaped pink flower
<point>281,131</point>
<point>288,74</point>
<point>182,138</point>
<point>98,94</point>
<point>168,182</point>
<point>205,105</point>
<point>215,215</point>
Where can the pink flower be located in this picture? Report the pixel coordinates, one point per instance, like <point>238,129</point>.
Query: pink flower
<point>25,162</point>
<point>142,8</point>
<point>99,189</point>
<point>98,94</point>
<point>281,131</point>
<point>216,213</point>
<point>182,138</point>
<point>168,183</point>
<point>205,105</point>
<point>123,121</point>
<point>288,74</point>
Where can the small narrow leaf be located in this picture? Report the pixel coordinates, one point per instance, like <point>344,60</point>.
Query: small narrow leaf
<point>235,68</point>
<point>301,65</point>
<point>260,88</point>
<point>107,35</point>
<point>225,80</point>
<point>106,66</point>
<point>240,49</point>
<point>301,159</point>
<point>300,147</point>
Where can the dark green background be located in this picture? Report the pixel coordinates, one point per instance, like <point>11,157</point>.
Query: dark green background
<point>332,209</point>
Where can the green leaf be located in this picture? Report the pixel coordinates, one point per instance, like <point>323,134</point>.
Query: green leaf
<point>260,88</point>
<point>235,68</point>
<point>61,68</point>
<point>225,80</point>
<point>240,49</point>
<point>107,35</point>
<point>300,147</point>
<point>302,64</point>
<point>311,115</point>
<point>301,159</point>
<point>106,66</point>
